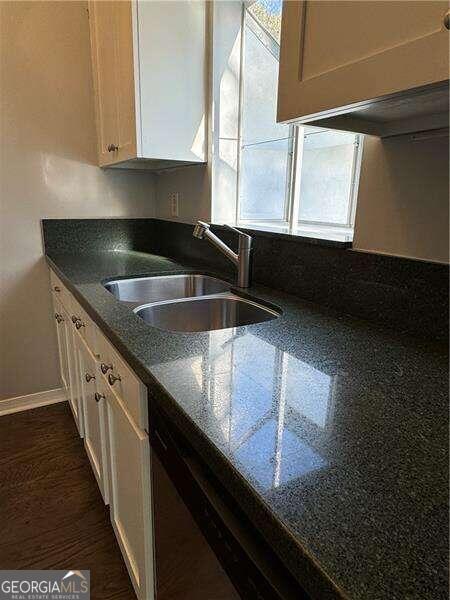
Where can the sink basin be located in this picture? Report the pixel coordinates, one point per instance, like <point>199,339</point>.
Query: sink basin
<point>165,287</point>
<point>205,314</point>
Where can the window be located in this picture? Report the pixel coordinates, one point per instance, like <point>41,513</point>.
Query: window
<point>298,180</point>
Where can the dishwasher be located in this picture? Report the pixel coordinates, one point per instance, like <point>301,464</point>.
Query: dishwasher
<point>205,548</point>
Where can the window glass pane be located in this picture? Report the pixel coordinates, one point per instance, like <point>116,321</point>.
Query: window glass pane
<point>268,15</point>
<point>265,145</point>
<point>326,176</point>
<point>263,180</point>
<point>259,97</point>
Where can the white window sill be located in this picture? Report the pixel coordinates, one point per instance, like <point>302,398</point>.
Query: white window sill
<point>317,233</point>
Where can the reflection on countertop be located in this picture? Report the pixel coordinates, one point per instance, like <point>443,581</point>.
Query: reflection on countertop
<point>330,432</point>
<point>281,388</point>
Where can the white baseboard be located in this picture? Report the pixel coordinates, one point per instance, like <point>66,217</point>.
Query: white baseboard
<point>19,403</point>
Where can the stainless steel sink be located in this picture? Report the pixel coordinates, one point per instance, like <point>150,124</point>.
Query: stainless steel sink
<point>205,314</point>
<point>165,287</point>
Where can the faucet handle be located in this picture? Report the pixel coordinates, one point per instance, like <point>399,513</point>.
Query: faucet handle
<point>199,229</point>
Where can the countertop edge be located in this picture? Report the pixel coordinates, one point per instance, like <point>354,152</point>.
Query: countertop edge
<point>320,584</point>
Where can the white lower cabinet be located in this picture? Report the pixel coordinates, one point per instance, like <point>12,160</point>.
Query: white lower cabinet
<point>61,335</point>
<point>94,412</point>
<point>130,495</point>
<point>74,376</point>
<point>109,405</point>
<point>68,360</point>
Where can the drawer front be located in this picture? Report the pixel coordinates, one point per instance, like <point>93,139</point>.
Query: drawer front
<point>60,291</point>
<point>123,383</point>
<point>85,327</point>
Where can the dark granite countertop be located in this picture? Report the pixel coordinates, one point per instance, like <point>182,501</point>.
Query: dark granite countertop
<point>329,431</point>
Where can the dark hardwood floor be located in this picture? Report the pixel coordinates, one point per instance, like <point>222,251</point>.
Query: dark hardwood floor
<point>51,512</point>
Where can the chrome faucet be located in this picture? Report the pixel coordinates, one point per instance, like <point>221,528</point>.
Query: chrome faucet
<point>241,259</point>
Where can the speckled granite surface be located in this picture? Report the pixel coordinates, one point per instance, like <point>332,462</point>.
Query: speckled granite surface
<point>330,432</point>
<point>410,296</point>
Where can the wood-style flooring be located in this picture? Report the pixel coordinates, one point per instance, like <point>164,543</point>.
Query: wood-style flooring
<point>52,515</point>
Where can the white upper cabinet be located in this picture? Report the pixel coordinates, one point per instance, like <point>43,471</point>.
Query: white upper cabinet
<point>149,68</point>
<point>369,66</point>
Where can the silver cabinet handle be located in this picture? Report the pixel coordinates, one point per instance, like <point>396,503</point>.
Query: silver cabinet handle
<point>74,318</point>
<point>89,377</point>
<point>99,396</point>
<point>79,324</point>
<point>57,288</point>
<point>59,318</point>
<point>112,148</point>
<point>105,368</point>
<point>113,378</point>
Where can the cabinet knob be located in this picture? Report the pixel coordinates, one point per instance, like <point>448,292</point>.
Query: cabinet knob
<point>57,288</point>
<point>112,148</point>
<point>89,377</point>
<point>59,318</point>
<point>74,318</point>
<point>99,396</point>
<point>105,368</point>
<point>113,378</point>
<point>79,324</point>
<point>447,21</point>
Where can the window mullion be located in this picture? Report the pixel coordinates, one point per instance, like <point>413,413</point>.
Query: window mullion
<point>356,167</point>
<point>239,123</point>
<point>296,172</point>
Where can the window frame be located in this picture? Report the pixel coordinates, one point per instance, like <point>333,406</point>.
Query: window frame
<point>290,223</point>
<point>274,49</point>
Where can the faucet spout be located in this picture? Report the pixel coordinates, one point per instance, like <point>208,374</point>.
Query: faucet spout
<point>241,259</point>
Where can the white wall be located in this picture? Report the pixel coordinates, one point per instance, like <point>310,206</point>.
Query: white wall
<point>193,185</point>
<point>403,191</point>
<point>48,169</point>
<point>403,198</point>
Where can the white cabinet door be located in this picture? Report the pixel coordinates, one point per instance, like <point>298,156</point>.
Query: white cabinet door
<point>130,495</point>
<point>62,343</point>
<point>94,412</point>
<point>148,62</point>
<point>102,17</point>
<point>335,55</point>
<point>126,111</point>
<point>74,374</point>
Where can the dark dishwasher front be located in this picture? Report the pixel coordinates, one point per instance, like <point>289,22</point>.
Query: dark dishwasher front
<point>204,548</point>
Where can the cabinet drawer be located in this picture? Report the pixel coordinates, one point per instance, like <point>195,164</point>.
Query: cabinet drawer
<point>85,327</point>
<point>59,291</point>
<point>123,382</point>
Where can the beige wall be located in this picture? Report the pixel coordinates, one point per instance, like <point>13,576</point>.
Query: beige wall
<point>47,170</point>
<point>403,199</point>
<point>193,186</point>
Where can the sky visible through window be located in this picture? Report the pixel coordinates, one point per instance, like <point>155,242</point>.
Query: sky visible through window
<point>268,15</point>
